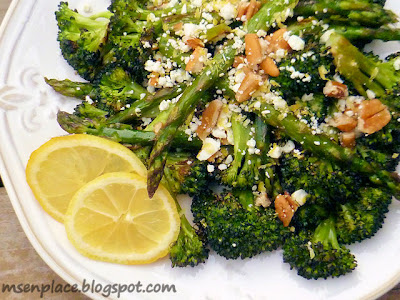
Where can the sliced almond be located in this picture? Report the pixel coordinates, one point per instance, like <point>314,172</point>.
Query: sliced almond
<point>269,67</point>
<point>345,123</point>
<point>285,208</point>
<point>249,85</point>
<point>253,49</point>
<point>194,43</point>
<point>209,118</point>
<point>335,89</point>
<point>197,60</point>
<point>348,139</point>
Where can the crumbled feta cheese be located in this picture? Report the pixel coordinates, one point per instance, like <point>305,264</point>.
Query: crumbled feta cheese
<point>209,148</point>
<point>300,196</point>
<point>251,143</point>
<point>228,12</point>
<point>275,151</point>
<point>296,43</point>
<point>307,97</point>
<point>210,168</point>
<point>325,37</point>
<point>222,167</point>
<point>370,94</point>
<point>164,105</point>
<point>396,64</point>
<point>288,147</point>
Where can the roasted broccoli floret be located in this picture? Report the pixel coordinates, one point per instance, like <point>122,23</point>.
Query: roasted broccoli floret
<point>111,89</point>
<point>234,227</point>
<point>363,216</point>
<point>187,175</point>
<point>81,38</point>
<point>318,254</point>
<point>326,182</point>
<point>303,72</point>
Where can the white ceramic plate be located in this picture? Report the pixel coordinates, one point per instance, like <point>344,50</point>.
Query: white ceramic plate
<point>28,52</point>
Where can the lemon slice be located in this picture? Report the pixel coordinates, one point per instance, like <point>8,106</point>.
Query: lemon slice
<point>112,219</point>
<point>58,168</point>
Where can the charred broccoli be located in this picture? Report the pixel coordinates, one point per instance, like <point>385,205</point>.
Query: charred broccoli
<point>235,227</point>
<point>318,254</point>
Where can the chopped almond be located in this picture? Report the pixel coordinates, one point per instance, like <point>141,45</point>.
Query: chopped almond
<point>269,67</point>
<point>209,118</point>
<point>239,59</point>
<point>197,60</point>
<point>345,123</point>
<point>373,116</point>
<point>285,207</point>
<point>335,89</point>
<point>194,43</point>
<point>178,26</point>
<point>249,85</point>
<point>368,108</point>
<point>348,139</point>
<point>153,81</point>
<point>253,49</point>
<point>277,41</point>
<point>242,9</point>
<point>252,9</point>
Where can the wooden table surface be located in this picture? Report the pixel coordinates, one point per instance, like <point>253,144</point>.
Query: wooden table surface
<point>19,262</point>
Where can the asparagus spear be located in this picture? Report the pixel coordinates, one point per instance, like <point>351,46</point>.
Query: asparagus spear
<point>147,106</point>
<point>125,135</point>
<point>70,88</point>
<point>323,146</point>
<point>186,104</point>
<point>348,12</point>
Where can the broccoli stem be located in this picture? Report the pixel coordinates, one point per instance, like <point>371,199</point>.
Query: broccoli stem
<point>325,233</point>
<point>324,147</point>
<point>241,134</point>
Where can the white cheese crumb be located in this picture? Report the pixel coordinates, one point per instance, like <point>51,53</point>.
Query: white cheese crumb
<point>300,196</point>
<point>288,147</point>
<point>164,105</point>
<point>396,64</point>
<point>370,94</point>
<point>296,43</point>
<point>209,148</point>
<point>228,12</point>
<point>275,151</point>
<point>210,168</point>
